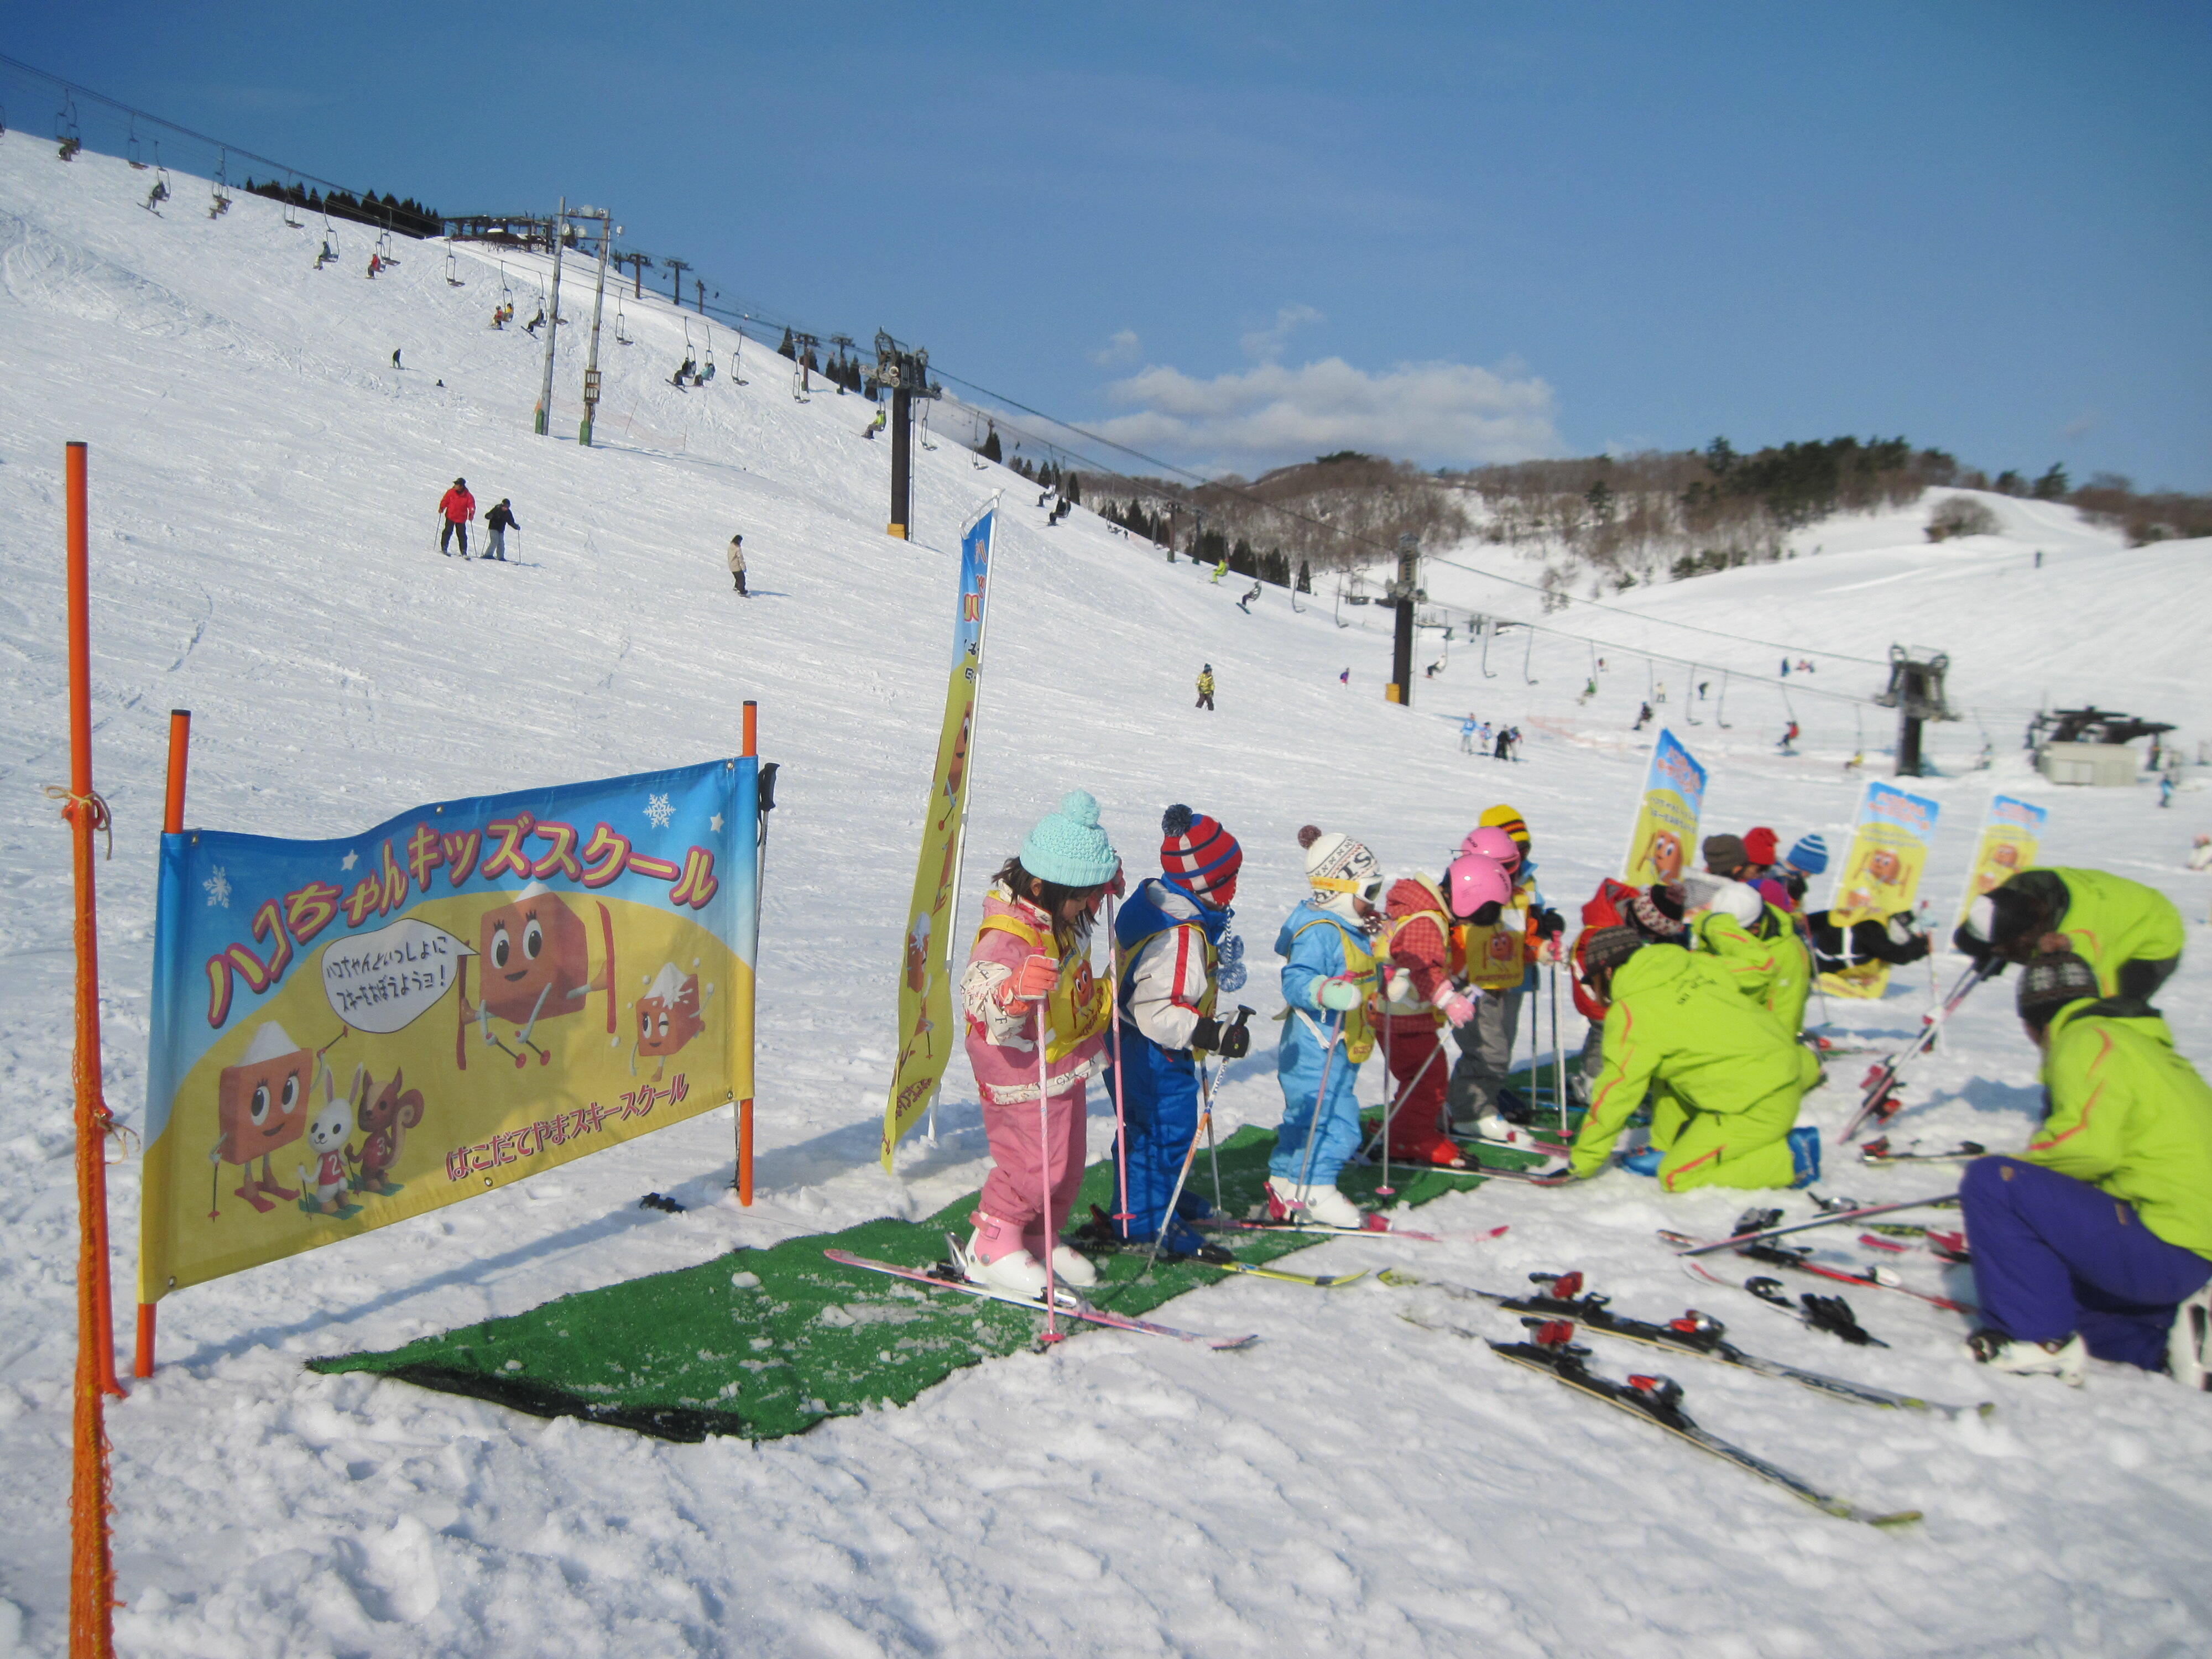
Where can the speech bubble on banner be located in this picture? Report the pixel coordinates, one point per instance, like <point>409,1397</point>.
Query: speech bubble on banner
<point>384,981</point>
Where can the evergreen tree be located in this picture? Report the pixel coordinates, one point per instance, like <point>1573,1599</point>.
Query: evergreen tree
<point>2009,482</point>
<point>2052,485</point>
<point>1305,578</point>
<point>1072,488</point>
<point>992,452</point>
<point>788,349</point>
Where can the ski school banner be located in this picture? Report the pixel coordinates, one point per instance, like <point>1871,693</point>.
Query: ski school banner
<point>925,1026</point>
<point>2011,830</point>
<point>1664,842</point>
<point>348,1032</point>
<point>1881,874</point>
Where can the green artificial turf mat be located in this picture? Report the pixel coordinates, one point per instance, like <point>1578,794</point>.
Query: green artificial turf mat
<point>762,1343</point>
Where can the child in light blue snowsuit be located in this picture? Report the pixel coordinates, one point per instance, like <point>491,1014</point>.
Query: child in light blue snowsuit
<point>1328,977</point>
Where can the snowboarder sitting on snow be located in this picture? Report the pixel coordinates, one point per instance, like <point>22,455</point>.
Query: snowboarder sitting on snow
<point>1328,974</point>
<point>1731,1077</point>
<point>2130,933</point>
<point>498,522</point>
<point>457,506</point>
<point>2099,1240</point>
<point>1177,957</point>
<point>1029,977</point>
<point>736,559</point>
<point>1206,686</point>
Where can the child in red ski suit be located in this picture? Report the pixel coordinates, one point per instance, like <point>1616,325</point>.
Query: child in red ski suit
<point>1030,968</point>
<point>1418,998</point>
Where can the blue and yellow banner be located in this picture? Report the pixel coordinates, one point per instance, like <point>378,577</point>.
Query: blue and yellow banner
<point>1880,876</point>
<point>348,1032</point>
<point>1664,842</point>
<point>2012,831</point>
<point>927,1030</point>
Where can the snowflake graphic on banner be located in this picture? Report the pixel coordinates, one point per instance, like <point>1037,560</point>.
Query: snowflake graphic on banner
<point>218,889</point>
<point>659,811</point>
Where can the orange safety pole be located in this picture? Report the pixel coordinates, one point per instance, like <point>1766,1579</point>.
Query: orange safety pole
<point>92,1567</point>
<point>745,1106</point>
<point>173,823</point>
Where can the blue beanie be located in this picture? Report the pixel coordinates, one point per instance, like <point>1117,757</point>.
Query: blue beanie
<point>1809,856</point>
<point>1067,847</point>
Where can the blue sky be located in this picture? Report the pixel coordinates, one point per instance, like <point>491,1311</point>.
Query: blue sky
<point>1240,235</point>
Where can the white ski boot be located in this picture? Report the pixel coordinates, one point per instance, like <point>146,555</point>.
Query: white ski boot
<point>995,1257</point>
<point>2189,1343</point>
<point>1071,1267</point>
<point>2067,1360</point>
<point>1324,1204</point>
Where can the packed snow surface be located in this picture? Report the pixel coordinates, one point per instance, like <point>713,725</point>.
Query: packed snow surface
<point>264,488</point>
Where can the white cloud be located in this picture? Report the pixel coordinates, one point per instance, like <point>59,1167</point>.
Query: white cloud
<point>1122,347</point>
<point>1437,413</point>
<point>1265,344</point>
<point>2086,421</point>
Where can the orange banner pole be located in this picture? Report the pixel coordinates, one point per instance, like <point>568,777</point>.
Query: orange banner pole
<point>173,823</point>
<point>92,1568</point>
<point>745,1106</point>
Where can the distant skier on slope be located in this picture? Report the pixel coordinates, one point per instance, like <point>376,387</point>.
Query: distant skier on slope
<point>1468,730</point>
<point>1789,743</point>
<point>396,363</point>
<point>497,523</point>
<point>1206,686</point>
<point>736,560</point>
<point>1643,717</point>
<point>456,507</point>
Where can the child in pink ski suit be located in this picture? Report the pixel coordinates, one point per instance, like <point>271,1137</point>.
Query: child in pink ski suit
<point>1030,966</point>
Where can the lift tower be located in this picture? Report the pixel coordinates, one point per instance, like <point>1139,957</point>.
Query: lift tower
<point>904,370</point>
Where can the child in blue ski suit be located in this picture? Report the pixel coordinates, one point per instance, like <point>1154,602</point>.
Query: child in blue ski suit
<point>1327,978</point>
<point>1176,954</point>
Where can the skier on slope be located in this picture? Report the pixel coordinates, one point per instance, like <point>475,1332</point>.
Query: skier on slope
<point>2097,1241</point>
<point>735,558</point>
<point>1468,729</point>
<point>1206,686</point>
<point>1418,996</point>
<point>1177,955</point>
<point>1328,974</point>
<point>456,507</point>
<point>1029,973</point>
<point>1674,1020</point>
<point>1643,717</point>
<point>2131,935</point>
<point>497,523</point>
<point>1498,946</point>
<point>1788,744</point>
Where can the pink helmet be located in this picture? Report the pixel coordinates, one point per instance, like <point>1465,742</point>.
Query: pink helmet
<point>1490,843</point>
<point>1476,881</point>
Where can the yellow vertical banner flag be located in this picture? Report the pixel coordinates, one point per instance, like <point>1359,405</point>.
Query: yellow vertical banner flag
<point>2011,830</point>
<point>926,1027</point>
<point>1664,841</point>
<point>1880,876</point>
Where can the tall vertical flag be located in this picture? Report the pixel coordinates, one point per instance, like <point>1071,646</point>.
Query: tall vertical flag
<point>927,1030</point>
<point>2011,830</point>
<point>1881,874</point>
<point>1664,841</point>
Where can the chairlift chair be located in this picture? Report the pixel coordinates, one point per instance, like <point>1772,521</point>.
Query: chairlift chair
<point>67,140</point>
<point>921,425</point>
<point>1489,625</point>
<point>220,190</point>
<point>1720,709</point>
<point>452,269</point>
<point>701,376</point>
<point>290,217</point>
<point>1690,698</point>
<point>130,149</point>
<point>620,336</point>
<point>1530,656</point>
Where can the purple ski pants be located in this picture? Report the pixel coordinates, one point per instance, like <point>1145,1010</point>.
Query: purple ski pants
<point>2053,1255</point>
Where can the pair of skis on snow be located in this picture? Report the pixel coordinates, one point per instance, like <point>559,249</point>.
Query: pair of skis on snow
<point>1552,1316</point>
<point>1757,1244</point>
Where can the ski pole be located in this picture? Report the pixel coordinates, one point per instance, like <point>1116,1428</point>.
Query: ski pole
<point>1559,1053</point>
<point>1327,1059</point>
<point>1044,1168</point>
<point>1390,1109</point>
<point>1121,1115</point>
<point>1190,1153</point>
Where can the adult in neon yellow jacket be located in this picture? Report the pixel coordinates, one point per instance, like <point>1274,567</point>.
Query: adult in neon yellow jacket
<point>2089,1243</point>
<point>1675,1020</point>
<point>1758,947</point>
<point>2130,935</point>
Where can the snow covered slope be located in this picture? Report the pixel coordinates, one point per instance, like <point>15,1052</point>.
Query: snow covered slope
<point>263,492</point>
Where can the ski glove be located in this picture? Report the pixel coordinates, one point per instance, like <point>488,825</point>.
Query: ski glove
<point>1457,1010</point>
<point>1550,924</point>
<point>1340,995</point>
<point>1035,978</point>
<point>1229,1041</point>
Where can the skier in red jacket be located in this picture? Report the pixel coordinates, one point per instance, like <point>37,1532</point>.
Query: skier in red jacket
<point>457,508</point>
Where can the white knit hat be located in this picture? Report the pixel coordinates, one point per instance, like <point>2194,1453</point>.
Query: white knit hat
<point>1337,864</point>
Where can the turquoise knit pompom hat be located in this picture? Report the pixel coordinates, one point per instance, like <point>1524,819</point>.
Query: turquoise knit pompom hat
<point>1069,846</point>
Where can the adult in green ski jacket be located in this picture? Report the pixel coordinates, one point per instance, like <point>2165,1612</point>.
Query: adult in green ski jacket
<point>1676,1021</point>
<point>2130,935</point>
<point>2089,1243</point>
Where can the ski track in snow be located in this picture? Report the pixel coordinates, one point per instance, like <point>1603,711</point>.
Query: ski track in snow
<point>264,491</point>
